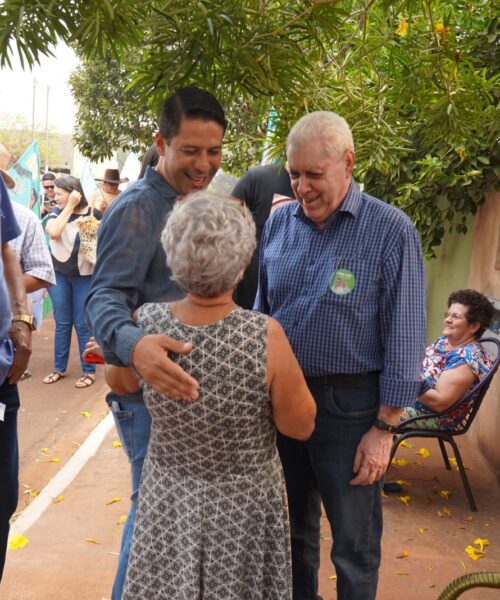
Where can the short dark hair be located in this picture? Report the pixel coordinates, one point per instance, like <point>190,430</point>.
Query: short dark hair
<point>70,183</point>
<point>479,308</point>
<point>192,103</point>
<point>48,176</point>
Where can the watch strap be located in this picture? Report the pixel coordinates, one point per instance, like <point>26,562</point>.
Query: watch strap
<point>384,426</point>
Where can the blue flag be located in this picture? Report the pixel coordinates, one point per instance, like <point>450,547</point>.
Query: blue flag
<point>26,174</point>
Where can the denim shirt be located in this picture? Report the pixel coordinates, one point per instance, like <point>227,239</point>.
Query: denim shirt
<point>131,265</point>
<point>379,324</point>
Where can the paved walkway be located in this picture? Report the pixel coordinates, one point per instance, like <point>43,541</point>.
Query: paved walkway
<point>73,545</point>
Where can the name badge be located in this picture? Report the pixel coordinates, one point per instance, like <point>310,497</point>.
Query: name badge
<point>342,282</point>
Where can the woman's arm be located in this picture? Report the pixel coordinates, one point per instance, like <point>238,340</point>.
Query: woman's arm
<point>451,386</point>
<point>121,380</point>
<point>55,227</point>
<point>294,408</point>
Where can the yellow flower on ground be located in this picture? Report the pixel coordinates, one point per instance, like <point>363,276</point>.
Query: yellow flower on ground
<point>402,29</point>
<point>117,444</point>
<point>92,541</point>
<point>113,500</point>
<point>474,553</point>
<point>86,414</point>
<point>58,499</point>
<point>424,453</point>
<point>405,499</point>
<point>481,543</point>
<point>18,541</point>
<point>333,577</point>
<point>422,529</point>
<point>403,554</point>
<point>444,494</point>
<point>400,462</point>
<point>121,520</point>
<point>402,482</point>
<point>406,444</point>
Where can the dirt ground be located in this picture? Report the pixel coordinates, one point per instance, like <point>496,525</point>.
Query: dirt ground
<point>73,546</point>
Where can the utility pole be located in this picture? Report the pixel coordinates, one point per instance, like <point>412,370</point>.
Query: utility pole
<point>47,132</point>
<point>33,111</point>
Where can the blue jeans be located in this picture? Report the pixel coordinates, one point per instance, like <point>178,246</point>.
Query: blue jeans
<point>68,299</point>
<point>320,470</point>
<point>133,423</point>
<point>9,464</point>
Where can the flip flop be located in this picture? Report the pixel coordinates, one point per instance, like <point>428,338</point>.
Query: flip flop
<point>85,381</point>
<point>53,377</point>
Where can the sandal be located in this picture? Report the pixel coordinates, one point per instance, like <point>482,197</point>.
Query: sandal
<point>53,377</point>
<point>85,381</point>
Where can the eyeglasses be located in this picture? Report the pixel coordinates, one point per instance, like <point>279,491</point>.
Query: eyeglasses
<point>49,187</point>
<point>453,316</point>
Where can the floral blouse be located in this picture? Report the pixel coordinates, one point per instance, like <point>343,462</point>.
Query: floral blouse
<point>438,359</point>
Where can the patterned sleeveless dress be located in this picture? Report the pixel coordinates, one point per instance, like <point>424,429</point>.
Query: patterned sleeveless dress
<point>212,519</point>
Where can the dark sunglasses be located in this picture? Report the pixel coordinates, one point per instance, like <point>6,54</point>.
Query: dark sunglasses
<point>49,187</point>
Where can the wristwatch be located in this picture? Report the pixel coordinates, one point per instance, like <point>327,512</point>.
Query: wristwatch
<point>379,424</point>
<point>28,319</point>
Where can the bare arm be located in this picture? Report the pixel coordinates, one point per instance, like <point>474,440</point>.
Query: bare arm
<point>294,408</point>
<point>121,380</point>
<point>19,332</point>
<point>55,227</point>
<point>32,284</point>
<point>451,386</point>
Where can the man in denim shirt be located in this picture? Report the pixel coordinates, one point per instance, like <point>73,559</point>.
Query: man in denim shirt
<point>131,270</point>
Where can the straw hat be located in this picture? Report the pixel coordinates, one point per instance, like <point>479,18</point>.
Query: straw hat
<point>112,176</point>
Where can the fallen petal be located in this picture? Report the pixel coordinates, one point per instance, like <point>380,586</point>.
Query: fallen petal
<point>18,541</point>
<point>86,414</point>
<point>114,499</point>
<point>424,453</point>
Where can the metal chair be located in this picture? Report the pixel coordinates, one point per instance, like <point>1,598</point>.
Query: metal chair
<point>473,397</point>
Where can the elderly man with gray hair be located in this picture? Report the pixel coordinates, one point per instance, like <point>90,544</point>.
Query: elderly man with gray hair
<point>343,274</point>
<point>212,493</point>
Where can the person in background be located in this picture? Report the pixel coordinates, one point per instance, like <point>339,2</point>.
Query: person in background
<point>258,187</point>
<point>150,159</point>
<point>214,461</point>
<point>49,195</point>
<point>455,362</point>
<point>32,252</point>
<point>16,325</point>
<point>360,351</point>
<point>108,190</point>
<point>73,278</point>
<point>131,270</point>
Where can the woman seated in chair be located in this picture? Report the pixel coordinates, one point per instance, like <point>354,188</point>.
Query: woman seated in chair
<point>454,362</point>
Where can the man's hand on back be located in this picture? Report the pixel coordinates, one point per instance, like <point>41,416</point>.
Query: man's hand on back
<point>150,359</point>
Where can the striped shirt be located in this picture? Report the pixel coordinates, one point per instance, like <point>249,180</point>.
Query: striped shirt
<point>350,296</point>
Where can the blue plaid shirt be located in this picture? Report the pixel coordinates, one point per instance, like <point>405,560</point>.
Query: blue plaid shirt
<point>380,324</point>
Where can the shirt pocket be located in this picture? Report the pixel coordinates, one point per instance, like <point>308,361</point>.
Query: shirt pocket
<point>366,288</point>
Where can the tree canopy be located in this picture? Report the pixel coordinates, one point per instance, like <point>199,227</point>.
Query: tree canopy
<point>416,79</point>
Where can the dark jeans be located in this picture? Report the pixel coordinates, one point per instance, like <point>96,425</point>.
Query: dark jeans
<point>319,470</point>
<point>9,464</point>
<point>133,423</point>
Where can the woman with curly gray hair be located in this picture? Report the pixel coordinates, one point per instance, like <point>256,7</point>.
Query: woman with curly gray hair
<point>212,516</point>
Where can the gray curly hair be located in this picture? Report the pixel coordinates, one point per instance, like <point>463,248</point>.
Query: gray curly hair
<point>209,240</point>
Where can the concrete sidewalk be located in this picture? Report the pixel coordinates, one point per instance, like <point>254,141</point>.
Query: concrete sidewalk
<point>423,545</point>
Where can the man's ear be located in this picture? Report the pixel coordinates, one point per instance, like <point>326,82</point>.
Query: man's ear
<point>160,143</point>
<point>349,159</point>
